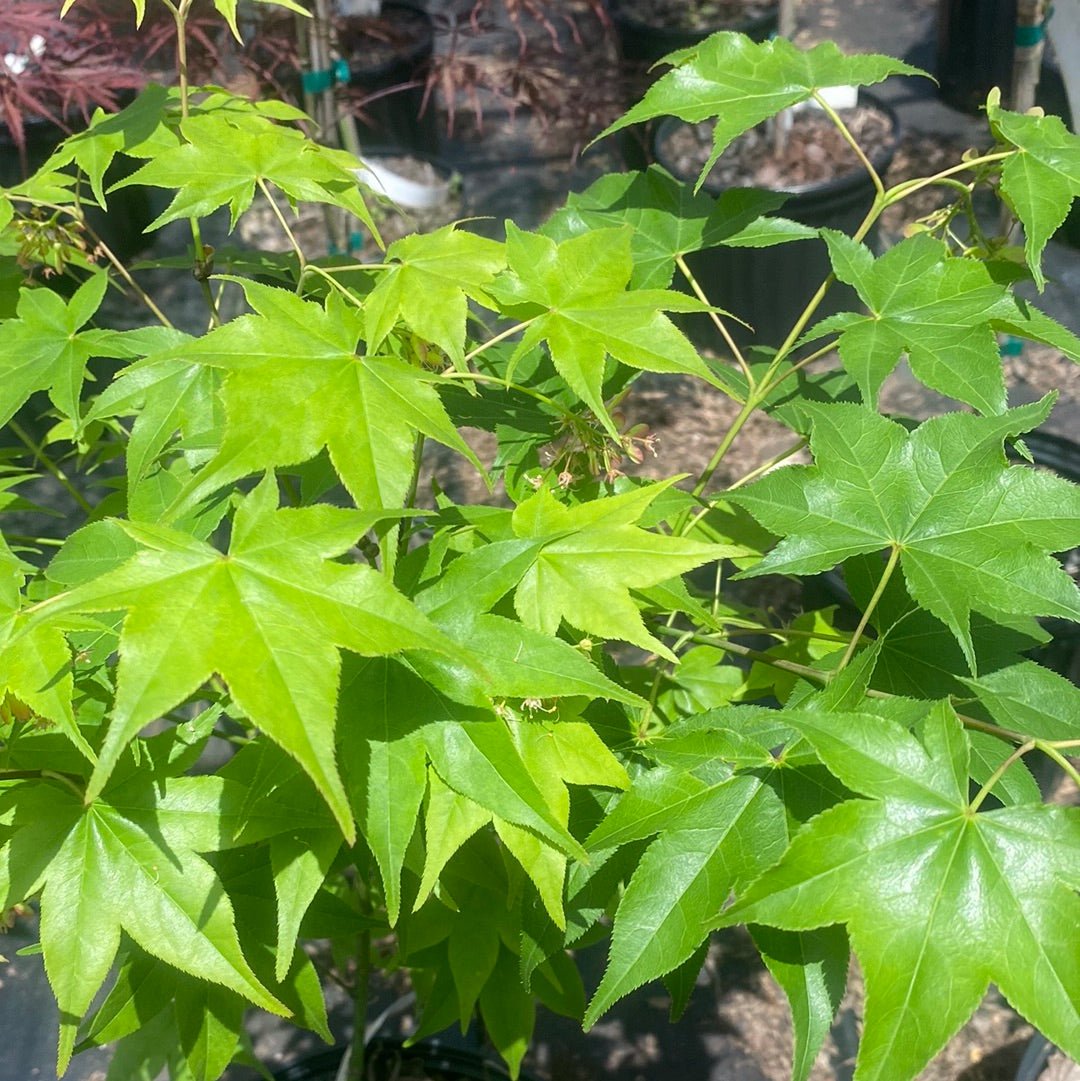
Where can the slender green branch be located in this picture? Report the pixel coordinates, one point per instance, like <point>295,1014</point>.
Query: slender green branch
<point>850,139</point>
<point>136,288</point>
<point>894,557</point>
<point>745,413</point>
<point>1008,735</point>
<point>746,478</point>
<point>201,268</point>
<point>179,13</point>
<point>774,461</point>
<point>358,266</point>
<point>21,774</point>
<point>786,632</point>
<point>909,187</point>
<point>202,271</point>
<point>286,228</point>
<point>658,676</point>
<point>480,377</point>
<point>356,1070</point>
<point>69,780</point>
<point>50,466</point>
<point>814,303</point>
<point>501,337</point>
<point>736,352</point>
<point>1051,750</point>
<point>802,363</point>
<point>42,542</point>
<point>66,779</point>
<point>996,776</point>
<point>405,527</point>
<point>327,276</point>
<point>738,650</point>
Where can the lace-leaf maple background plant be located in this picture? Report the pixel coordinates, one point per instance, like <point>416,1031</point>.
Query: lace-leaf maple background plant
<point>464,740</point>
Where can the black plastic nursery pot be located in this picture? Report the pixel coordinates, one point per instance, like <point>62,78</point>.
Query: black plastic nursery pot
<point>390,1060</point>
<point>645,42</point>
<point>770,287</point>
<point>974,50</point>
<point>388,58</point>
<point>1037,1061</point>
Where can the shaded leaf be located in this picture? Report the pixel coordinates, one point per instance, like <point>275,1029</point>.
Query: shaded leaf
<point>811,968</point>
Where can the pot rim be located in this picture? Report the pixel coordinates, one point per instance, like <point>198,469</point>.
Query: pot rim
<point>620,16</point>
<point>403,190</point>
<point>430,1052</point>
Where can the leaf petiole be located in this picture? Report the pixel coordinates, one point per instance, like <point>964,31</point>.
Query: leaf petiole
<point>996,776</point>
<point>736,352</point>
<point>894,557</point>
<point>500,337</point>
<point>850,139</point>
<point>909,187</point>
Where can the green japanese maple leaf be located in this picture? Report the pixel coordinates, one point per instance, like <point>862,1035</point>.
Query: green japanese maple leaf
<point>166,397</point>
<point>712,838</point>
<point>105,870</point>
<point>670,220</point>
<point>45,347</point>
<point>593,555</point>
<point>1028,698</point>
<point>296,383</point>
<point>740,83</point>
<point>940,898</point>
<point>269,617</point>
<point>1040,182</point>
<point>429,280</point>
<point>394,722</point>
<point>918,656</point>
<point>942,311</point>
<point>574,296</point>
<point>970,531</point>
<point>222,161</point>
<point>35,664</point>
<point>94,149</point>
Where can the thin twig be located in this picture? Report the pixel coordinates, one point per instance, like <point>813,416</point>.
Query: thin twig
<point>736,352</point>
<point>51,467</point>
<point>883,581</point>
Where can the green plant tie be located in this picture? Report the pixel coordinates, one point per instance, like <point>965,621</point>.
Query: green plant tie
<point>1026,36</point>
<point>315,82</point>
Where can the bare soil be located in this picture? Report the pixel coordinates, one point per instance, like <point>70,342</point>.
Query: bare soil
<point>812,151</point>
